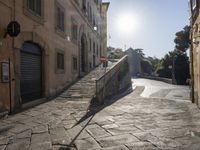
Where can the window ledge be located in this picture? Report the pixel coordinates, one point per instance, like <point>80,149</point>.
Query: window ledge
<point>60,71</point>
<point>74,41</point>
<point>33,16</point>
<point>61,33</point>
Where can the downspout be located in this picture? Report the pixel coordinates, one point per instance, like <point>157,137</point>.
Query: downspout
<point>191,55</point>
<point>192,67</point>
<point>13,48</point>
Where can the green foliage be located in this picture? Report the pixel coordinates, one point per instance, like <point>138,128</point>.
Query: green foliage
<point>182,39</point>
<point>164,67</point>
<point>181,67</point>
<point>154,62</point>
<point>177,63</point>
<point>114,53</point>
<point>140,51</point>
<point>146,66</point>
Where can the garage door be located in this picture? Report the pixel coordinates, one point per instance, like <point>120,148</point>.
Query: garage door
<point>31,72</point>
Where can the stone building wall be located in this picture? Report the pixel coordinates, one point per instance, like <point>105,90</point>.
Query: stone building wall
<point>195,50</point>
<point>42,31</point>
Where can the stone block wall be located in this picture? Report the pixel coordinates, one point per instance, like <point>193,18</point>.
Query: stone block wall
<point>115,81</point>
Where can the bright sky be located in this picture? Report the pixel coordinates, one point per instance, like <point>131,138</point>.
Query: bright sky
<point>147,24</point>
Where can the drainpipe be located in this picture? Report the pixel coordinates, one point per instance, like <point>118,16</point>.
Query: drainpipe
<point>192,65</point>
<point>12,52</point>
<point>191,55</point>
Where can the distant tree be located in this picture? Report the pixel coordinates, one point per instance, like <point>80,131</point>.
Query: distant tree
<point>181,60</point>
<point>181,67</point>
<point>177,63</point>
<point>154,62</point>
<point>114,53</point>
<point>164,67</point>
<point>140,51</point>
<point>146,66</point>
<point>182,39</point>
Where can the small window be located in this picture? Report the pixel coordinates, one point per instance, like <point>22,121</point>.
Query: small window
<point>88,10</point>
<point>94,48</point>
<point>60,61</point>
<point>74,30</point>
<point>35,6</point>
<point>60,18</point>
<point>94,21</point>
<point>90,14</point>
<point>194,4</point>
<point>90,45</point>
<point>75,64</point>
<point>97,50</point>
<point>196,28</point>
<point>90,64</point>
<point>84,5</point>
<point>100,51</point>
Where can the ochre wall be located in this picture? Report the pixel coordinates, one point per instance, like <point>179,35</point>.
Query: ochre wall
<point>44,34</point>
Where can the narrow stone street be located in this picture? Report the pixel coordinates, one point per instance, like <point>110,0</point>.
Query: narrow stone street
<point>155,115</point>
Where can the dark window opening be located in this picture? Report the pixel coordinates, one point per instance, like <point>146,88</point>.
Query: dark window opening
<point>35,6</point>
<point>75,63</point>
<point>60,18</point>
<point>60,61</point>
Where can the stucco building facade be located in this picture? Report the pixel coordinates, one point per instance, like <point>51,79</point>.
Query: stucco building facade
<point>60,40</point>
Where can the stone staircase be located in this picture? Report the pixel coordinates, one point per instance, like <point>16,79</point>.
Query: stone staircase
<point>85,88</point>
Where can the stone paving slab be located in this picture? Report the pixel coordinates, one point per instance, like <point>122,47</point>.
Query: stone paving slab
<point>141,146</point>
<point>121,147</point>
<point>20,144</point>
<point>86,144</point>
<point>129,123</point>
<point>117,140</point>
<point>96,131</point>
<point>41,141</point>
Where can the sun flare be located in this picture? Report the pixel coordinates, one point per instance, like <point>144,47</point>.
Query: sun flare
<point>127,24</point>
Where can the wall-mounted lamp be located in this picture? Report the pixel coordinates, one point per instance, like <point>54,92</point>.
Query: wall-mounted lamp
<point>95,28</point>
<point>68,39</point>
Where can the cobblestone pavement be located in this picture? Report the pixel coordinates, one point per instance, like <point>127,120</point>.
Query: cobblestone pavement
<point>129,122</point>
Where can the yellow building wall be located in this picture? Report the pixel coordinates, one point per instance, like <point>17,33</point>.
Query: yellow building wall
<point>45,35</point>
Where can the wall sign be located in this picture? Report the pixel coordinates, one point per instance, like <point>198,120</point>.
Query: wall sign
<point>5,72</point>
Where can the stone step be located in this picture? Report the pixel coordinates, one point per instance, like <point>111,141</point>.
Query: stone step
<point>84,89</point>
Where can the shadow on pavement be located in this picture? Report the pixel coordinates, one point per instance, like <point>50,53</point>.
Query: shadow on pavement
<point>93,109</point>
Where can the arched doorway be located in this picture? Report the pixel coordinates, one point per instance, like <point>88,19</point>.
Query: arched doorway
<point>83,57</point>
<point>31,72</point>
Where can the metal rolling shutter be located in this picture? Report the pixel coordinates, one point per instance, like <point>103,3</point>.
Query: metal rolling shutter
<point>31,70</point>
